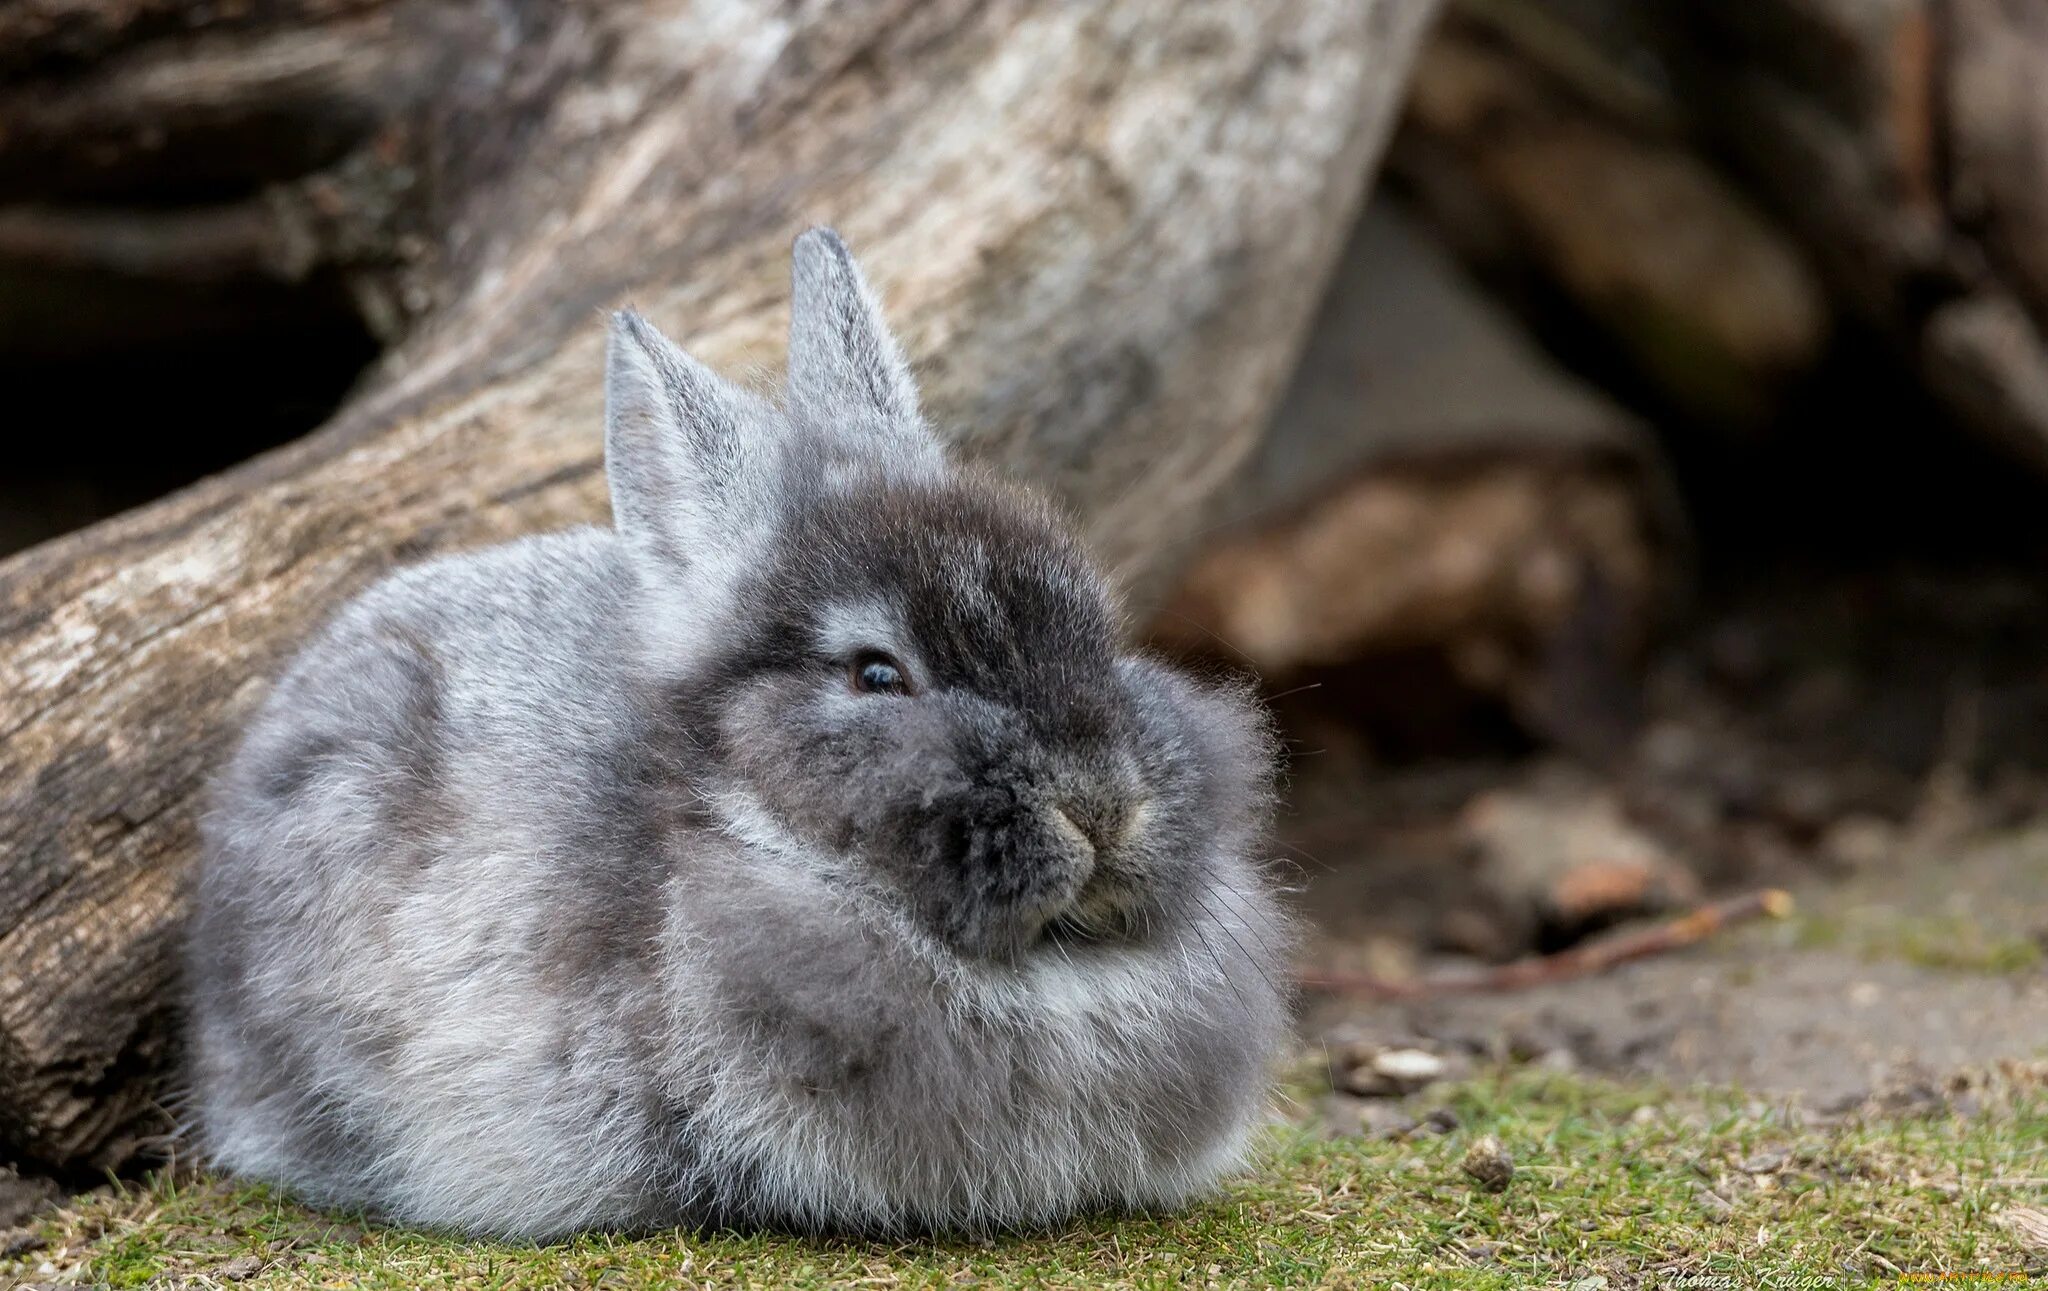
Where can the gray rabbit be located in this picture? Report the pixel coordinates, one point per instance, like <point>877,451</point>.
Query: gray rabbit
<point>801,851</point>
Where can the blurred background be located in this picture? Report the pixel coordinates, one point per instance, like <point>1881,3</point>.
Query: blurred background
<point>1679,418</point>
<point>1657,510</point>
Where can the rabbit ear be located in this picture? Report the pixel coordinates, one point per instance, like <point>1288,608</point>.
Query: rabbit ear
<point>675,440</point>
<point>845,370</point>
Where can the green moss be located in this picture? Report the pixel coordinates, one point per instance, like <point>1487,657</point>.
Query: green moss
<point>1952,942</point>
<point>1610,1179</point>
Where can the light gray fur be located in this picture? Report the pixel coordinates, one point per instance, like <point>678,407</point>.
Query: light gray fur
<point>558,886</point>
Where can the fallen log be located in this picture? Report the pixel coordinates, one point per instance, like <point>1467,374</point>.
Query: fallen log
<point>1101,231</point>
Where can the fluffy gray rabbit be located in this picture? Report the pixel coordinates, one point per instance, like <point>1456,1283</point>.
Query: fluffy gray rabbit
<point>801,851</point>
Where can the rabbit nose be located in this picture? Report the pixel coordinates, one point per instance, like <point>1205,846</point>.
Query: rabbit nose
<point>1065,822</point>
<point>1100,825</point>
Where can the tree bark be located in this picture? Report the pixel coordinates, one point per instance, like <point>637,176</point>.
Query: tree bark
<point>1101,230</point>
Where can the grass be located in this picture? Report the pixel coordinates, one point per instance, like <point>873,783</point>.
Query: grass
<point>1633,1184</point>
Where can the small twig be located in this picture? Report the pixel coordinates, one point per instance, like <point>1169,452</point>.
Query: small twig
<point>1584,960</point>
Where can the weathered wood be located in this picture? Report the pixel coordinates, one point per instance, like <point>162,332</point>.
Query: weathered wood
<point>1101,230</point>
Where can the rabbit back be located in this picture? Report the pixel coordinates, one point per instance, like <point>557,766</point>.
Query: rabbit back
<point>422,965</point>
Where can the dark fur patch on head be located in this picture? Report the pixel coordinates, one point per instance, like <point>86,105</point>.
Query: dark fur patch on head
<point>997,597</point>
<point>992,792</point>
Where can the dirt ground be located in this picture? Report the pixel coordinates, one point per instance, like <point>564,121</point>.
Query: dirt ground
<point>1889,777</point>
<point>1878,987</point>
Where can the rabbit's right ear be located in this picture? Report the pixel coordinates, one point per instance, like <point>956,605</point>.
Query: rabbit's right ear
<point>683,454</point>
<point>846,372</point>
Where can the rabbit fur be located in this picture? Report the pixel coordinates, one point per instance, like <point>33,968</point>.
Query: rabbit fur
<point>584,882</point>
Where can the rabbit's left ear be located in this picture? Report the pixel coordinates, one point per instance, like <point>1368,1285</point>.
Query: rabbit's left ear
<point>845,370</point>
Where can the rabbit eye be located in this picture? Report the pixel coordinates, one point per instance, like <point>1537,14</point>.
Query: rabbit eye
<point>875,673</point>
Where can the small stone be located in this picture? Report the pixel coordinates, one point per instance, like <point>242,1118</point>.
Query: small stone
<point>1362,1081</point>
<point>21,1243</point>
<point>1488,1164</point>
<point>1387,1073</point>
<point>1382,1120</point>
<point>240,1269</point>
<point>1526,1045</point>
<point>1441,1120</point>
<point>1716,1207</point>
<point>1765,1163</point>
<point>1842,1105</point>
<point>1346,1116</point>
<point>1909,1097</point>
<point>1412,1067</point>
<point>1569,855</point>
